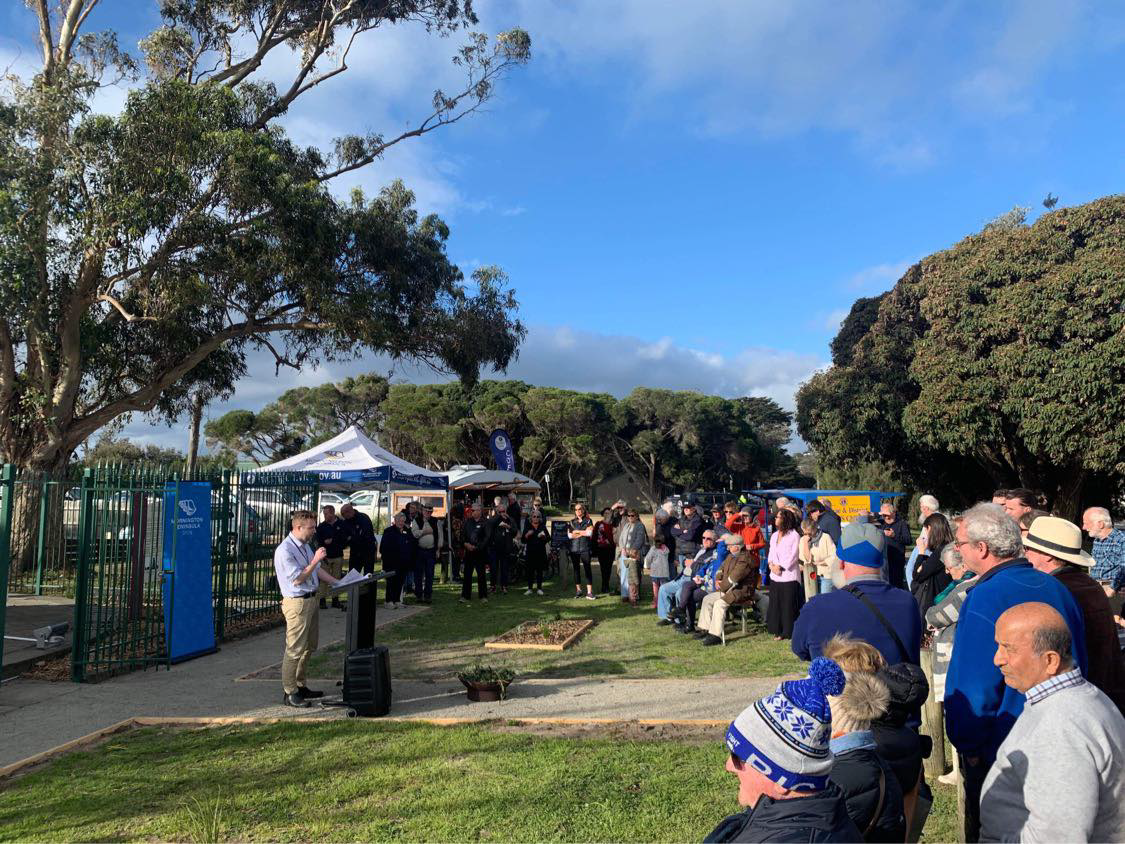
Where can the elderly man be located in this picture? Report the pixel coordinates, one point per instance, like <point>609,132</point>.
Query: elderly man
<point>735,583</point>
<point>1054,546</point>
<point>475,539</point>
<point>979,708</point>
<point>897,532</point>
<point>298,577</point>
<point>927,506</point>
<point>863,605</point>
<point>1109,547</point>
<point>1060,773</point>
<point>666,598</point>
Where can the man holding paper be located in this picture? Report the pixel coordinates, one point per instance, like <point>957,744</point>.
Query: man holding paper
<point>299,576</point>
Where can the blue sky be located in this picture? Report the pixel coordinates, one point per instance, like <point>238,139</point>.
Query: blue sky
<point>692,194</point>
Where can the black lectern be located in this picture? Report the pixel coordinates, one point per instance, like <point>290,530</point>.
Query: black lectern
<point>362,595</point>
<point>367,668</point>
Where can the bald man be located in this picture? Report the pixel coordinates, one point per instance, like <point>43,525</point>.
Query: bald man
<point>1060,773</point>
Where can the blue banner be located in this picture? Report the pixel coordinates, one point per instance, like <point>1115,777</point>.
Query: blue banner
<point>189,614</point>
<point>502,453</point>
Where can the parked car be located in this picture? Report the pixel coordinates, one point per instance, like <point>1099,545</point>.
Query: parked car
<point>333,498</point>
<point>367,501</point>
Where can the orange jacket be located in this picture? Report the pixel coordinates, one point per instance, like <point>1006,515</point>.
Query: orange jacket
<point>751,534</point>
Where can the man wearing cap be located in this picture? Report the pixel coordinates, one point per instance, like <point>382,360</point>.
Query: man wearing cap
<point>735,583</point>
<point>979,708</point>
<point>779,751</point>
<point>1054,546</point>
<point>1059,775</point>
<point>844,611</point>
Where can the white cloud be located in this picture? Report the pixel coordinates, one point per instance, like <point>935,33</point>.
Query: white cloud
<point>559,356</point>
<point>880,277</point>
<point>892,77</point>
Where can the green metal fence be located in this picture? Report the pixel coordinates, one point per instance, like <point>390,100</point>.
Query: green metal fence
<point>98,535</point>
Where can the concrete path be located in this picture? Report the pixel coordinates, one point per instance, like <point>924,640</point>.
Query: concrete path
<point>37,716</point>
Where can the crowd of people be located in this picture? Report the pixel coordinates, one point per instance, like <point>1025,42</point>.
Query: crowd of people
<point>1021,622</point>
<point>1023,627</point>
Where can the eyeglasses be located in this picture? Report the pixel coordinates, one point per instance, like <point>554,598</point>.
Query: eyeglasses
<point>633,516</point>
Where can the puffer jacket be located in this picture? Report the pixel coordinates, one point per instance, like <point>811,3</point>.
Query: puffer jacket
<point>899,744</point>
<point>818,817</point>
<point>689,535</point>
<point>857,770</point>
<point>738,577</point>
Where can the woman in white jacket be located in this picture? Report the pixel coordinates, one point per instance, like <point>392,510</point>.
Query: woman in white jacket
<point>817,553</point>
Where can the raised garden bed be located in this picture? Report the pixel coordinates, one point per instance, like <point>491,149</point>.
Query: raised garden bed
<point>542,635</point>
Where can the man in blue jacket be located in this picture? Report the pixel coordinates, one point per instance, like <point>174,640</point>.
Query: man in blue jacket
<point>861,550</point>
<point>980,708</point>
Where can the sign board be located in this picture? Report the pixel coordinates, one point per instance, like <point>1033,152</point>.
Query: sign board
<point>189,615</point>
<point>849,507</point>
<point>560,534</point>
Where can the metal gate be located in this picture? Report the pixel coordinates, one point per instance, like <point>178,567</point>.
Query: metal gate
<point>98,534</point>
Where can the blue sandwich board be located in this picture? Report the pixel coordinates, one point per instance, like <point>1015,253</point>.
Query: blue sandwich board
<point>189,614</point>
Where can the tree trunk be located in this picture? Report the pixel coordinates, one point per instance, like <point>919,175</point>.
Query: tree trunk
<point>1068,495</point>
<point>193,436</point>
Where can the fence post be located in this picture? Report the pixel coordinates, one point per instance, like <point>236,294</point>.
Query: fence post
<point>80,645</point>
<point>41,546</point>
<point>932,723</point>
<point>225,544</point>
<point>7,490</point>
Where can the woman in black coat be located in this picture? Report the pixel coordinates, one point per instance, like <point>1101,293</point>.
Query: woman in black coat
<point>930,576</point>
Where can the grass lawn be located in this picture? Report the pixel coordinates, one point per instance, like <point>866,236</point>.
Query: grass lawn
<point>348,781</point>
<point>625,642</point>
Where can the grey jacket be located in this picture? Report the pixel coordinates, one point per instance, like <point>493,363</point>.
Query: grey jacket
<point>633,537</point>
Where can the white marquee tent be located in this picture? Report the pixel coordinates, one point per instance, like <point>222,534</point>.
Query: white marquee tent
<point>352,459</point>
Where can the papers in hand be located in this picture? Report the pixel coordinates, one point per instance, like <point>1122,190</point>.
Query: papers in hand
<point>352,576</point>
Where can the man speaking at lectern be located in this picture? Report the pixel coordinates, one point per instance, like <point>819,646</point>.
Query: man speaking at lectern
<point>298,576</point>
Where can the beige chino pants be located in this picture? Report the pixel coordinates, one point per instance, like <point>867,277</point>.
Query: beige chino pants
<point>713,613</point>
<point>302,632</point>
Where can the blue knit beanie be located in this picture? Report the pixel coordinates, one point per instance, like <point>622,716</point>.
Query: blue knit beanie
<point>785,735</point>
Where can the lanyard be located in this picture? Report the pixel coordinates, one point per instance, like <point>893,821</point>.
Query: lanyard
<point>297,545</point>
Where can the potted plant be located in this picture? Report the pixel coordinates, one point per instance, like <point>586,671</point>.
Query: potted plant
<point>486,682</point>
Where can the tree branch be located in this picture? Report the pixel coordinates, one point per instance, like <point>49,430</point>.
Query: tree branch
<point>45,39</point>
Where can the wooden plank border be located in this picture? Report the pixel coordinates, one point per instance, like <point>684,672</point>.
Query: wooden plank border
<point>495,644</point>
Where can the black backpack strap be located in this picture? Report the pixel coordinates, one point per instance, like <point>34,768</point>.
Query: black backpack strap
<point>878,804</point>
<point>855,591</point>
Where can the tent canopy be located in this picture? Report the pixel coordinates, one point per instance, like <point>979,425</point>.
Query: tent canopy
<point>477,477</point>
<point>351,458</point>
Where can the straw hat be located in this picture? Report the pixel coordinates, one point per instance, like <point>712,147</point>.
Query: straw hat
<point>1058,538</point>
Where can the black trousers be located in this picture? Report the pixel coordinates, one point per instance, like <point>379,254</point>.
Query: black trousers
<point>689,600</point>
<point>394,585</point>
<point>786,599</point>
<point>535,566</point>
<point>474,560</point>
<point>605,563</point>
<point>581,558</point>
<point>973,778</point>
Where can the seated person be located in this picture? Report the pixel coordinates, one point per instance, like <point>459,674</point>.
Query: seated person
<point>666,600</point>
<point>779,753</point>
<point>870,788</point>
<point>699,583</point>
<point>735,583</point>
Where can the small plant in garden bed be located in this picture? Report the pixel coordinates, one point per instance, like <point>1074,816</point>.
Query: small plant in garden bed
<point>486,682</point>
<point>544,632</point>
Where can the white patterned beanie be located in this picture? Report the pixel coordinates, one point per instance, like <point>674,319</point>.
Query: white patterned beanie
<point>785,735</point>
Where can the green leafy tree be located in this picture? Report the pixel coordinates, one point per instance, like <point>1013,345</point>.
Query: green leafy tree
<point>262,437</point>
<point>316,414</point>
<point>425,424</point>
<point>996,362</point>
<point>189,228</point>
